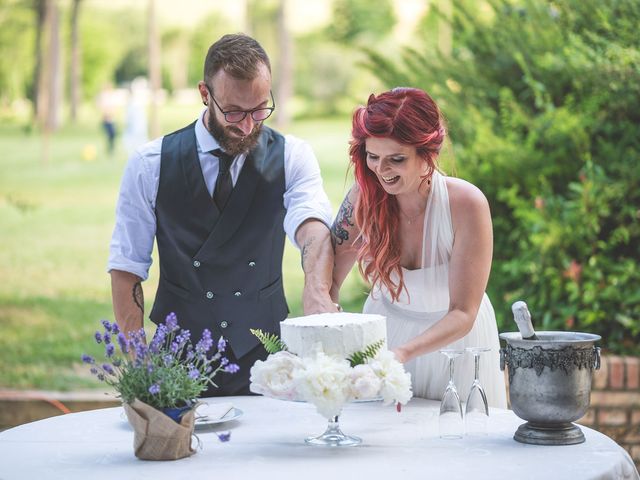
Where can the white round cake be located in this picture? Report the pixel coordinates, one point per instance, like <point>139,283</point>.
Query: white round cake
<point>338,334</point>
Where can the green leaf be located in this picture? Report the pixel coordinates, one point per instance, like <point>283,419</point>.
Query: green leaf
<point>358,358</point>
<point>270,341</point>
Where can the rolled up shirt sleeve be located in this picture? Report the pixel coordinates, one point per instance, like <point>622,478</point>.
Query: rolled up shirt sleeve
<point>135,226</point>
<point>304,197</point>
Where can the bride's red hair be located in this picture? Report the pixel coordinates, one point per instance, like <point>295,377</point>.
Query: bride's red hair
<point>408,116</point>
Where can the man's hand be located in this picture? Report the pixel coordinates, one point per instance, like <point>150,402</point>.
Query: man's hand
<point>316,255</point>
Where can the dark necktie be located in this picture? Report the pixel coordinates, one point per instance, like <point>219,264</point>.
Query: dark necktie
<point>224,185</point>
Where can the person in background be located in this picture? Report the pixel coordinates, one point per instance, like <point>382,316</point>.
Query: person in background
<point>135,129</point>
<point>218,196</point>
<point>424,242</point>
<point>107,104</point>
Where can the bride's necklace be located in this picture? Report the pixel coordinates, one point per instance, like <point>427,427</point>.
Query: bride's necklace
<point>412,219</point>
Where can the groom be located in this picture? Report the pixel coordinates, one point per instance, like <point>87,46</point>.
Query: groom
<point>218,196</point>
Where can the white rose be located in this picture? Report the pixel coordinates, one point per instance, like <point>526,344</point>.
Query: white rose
<point>396,383</point>
<point>325,382</point>
<point>275,376</point>
<point>364,382</point>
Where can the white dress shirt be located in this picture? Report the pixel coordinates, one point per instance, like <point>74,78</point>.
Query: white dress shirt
<point>135,227</point>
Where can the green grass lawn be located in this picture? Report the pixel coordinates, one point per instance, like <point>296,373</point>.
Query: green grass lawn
<point>56,219</point>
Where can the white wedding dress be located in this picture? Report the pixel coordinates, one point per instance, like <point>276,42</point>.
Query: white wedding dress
<point>428,301</point>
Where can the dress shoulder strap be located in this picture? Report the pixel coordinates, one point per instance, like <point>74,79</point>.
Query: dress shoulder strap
<point>438,229</point>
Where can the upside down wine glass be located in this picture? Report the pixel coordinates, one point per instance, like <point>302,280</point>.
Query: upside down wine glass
<point>476,412</point>
<point>450,419</point>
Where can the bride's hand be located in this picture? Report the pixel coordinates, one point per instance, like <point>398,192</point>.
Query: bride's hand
<point>400,354</point>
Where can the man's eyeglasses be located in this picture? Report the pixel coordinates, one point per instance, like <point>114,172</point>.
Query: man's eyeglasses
<point>236,116</point>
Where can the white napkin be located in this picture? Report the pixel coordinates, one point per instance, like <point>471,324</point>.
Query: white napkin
<point>213,411</point>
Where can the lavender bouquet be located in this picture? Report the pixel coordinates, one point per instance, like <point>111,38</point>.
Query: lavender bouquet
<point>168,372</point>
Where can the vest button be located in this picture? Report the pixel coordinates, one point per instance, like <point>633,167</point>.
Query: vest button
<point>196,263</point>
<point>238,294</point>
<point>252,264</point>
<point>224,324</point>
<point>209,295</point>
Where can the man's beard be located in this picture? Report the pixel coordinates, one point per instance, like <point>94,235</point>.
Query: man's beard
<point>233,145</point>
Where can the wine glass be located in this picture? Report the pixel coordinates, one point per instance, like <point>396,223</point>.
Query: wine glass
<point>450,419</point>
<point>476,412</point>
<point>333,437</point>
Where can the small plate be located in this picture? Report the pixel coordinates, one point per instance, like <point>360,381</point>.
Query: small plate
<point>203,422</point>
<point>367,400</point>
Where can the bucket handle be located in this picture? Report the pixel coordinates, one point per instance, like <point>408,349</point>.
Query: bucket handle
<point>504,358</point>
<point>596,358</point>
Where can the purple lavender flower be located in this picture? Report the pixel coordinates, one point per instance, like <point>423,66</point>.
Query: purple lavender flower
<point>141,350</point>
<point>88,359</point>
<point>171,322</point>
<point>106,325</point>
<point>94,370</point>
<point>115,329</point>
<point>154,347</point>
<point>222,344</point>
<point>224,361</point>
<point>154,389</point>
<point>110,350</point>
<point>158,339</point>
<point>183,337</point>
<point>98,337</point>
<point>108,368</point>
<point>122,341</point>
<point>224,436</point>
<point>205,343</point>
<point>231,368</point>
<point>150,368</point>
<point>194,374</point>
<point>167,359</point>
<point>106,338</point>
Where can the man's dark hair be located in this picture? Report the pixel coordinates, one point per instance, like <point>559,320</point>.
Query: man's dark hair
<point>237,54</point>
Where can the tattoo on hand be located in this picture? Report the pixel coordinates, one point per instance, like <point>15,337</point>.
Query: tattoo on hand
<point>138,296</point>
<point>305,251</point>
<point>344,220</point>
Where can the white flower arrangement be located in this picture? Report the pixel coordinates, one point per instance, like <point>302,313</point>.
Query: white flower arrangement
<point>329,382</point>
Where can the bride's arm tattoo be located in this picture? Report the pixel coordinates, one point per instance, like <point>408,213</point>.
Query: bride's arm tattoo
<point>344,219</point>
<point>138,296</point>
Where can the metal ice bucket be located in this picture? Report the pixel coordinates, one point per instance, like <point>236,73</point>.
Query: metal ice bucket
<point>550,383</point>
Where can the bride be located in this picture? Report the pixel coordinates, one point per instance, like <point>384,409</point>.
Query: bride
<point>423,241</point>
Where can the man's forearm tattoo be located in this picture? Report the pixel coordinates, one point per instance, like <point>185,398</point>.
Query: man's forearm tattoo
<point>138,296</point>
<point>344,220</point>
<point>304,252</point>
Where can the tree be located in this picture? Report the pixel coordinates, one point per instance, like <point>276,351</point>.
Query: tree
<point>542,101</point>
<point>284,85</point>
<point>75,83</point>
<point>17,36</point>
<point>357,19</point>
<point>49,80</point>
<point>154,68</point>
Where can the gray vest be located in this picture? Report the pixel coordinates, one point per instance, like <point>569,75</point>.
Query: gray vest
<point>221,270</point>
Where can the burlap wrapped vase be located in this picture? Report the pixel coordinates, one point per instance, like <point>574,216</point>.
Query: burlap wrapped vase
<point>157,436</point>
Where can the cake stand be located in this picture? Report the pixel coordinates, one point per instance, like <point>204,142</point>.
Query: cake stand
<point>333,437</point>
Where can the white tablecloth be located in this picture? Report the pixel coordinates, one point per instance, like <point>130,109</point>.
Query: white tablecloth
<point>267,442</point>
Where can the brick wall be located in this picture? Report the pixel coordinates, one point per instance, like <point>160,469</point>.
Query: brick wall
<point>615,402</point>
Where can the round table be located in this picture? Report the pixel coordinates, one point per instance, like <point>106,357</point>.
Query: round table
<point>267,442</point>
